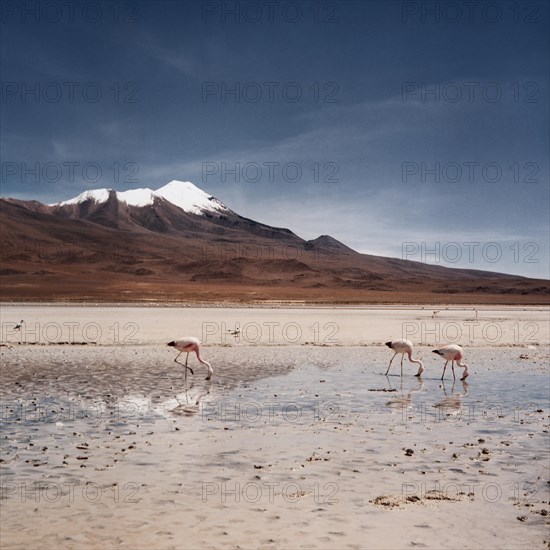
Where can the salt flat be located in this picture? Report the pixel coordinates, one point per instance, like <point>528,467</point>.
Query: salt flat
<point>291,445</point>
<point>123,325</point>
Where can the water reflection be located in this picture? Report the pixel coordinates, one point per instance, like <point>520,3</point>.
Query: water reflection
<point>404,400</point>
<point>451,405</point>
<point>189,401</point>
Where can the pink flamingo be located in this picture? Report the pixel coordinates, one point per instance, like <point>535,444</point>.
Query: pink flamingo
<point>452,352</point>
<point>189,344</point>
<point>403,347</point>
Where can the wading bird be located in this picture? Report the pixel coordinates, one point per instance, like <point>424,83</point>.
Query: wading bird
<point>452,352</point>
<point>188,344</point>
<point>403,347</point>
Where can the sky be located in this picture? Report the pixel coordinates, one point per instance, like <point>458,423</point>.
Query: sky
<point>415,129</point>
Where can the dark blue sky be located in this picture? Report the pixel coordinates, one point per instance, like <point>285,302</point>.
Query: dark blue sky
<point>380,123</point>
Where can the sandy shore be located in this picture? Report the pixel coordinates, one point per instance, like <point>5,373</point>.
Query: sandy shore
<point>289,446</point>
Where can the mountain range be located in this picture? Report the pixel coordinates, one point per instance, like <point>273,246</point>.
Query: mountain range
<point>178,243</point>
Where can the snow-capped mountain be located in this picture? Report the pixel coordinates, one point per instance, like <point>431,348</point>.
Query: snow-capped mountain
<point>179,207</point>
<point>182,194</point>
<point>178,242</point>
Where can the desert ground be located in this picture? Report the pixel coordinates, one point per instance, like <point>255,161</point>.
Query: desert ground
<point>298,441</point>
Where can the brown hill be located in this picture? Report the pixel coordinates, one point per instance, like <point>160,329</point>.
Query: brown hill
<point>113,251</point>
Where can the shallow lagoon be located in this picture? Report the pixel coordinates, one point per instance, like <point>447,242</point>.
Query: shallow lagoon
<point>287,447</point>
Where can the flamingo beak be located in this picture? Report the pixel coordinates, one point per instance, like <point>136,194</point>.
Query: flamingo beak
<point>171,344</point>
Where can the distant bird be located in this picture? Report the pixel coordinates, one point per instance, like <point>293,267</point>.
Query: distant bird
<point>188,344</point>
<point>434,314</point>
<point>20,325</point>
<point>452,352</point>
<point>235,332</point>
<point>403,347</point>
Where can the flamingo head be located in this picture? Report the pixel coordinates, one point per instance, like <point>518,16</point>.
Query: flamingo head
<point>388,344</point>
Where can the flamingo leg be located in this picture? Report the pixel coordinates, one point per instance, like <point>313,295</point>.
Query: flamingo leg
<point>453,367</point>
<point>444,367</point>
<point>391,360</point>
<point>186,367</point>
<point>402,357</point>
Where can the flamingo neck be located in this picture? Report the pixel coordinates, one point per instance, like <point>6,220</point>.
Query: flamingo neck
<point>415,361</point>
<point>210,370</point>
<point>201,360</point>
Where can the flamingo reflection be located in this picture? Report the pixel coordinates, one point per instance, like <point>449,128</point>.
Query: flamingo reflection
<point>404,401</point>
<point>451,405</point>
<point>192,403</point>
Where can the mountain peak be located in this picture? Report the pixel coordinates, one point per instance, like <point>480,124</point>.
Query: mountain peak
<point>326,241</point>
<point>97,195</point>
<point>190,198</point>
<point>183,194</point>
